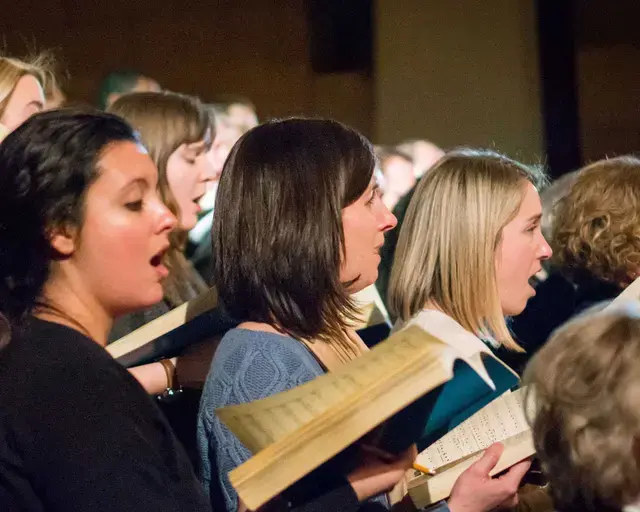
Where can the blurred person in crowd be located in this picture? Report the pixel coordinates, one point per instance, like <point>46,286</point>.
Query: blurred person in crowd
<point>423,153</point>
<point>584,409</point>
<point>227,134</point>
<point>22,90</point>
<point>122,82</point>
<point>396,175</point>
<point>595,236</point>
<point>177,131</point>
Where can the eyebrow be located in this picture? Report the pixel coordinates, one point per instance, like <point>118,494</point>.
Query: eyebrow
<point>535,218</point>
<point>133,183</point>
<point>36,103</point>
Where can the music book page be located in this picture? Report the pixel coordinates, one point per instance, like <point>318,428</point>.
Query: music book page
<point>499,420</point>
<point>261,423</point>
<point>426,490</point>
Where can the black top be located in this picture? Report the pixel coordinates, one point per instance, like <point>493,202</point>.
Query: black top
<point>78,433</point>
<point>557,300</point>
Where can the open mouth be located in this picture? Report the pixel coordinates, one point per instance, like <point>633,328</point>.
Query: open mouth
<point>157,259</point>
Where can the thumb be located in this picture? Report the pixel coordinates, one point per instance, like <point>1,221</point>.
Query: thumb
<point>488,460</point>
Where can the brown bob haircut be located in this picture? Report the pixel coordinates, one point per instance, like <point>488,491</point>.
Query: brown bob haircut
<point>277,232</point>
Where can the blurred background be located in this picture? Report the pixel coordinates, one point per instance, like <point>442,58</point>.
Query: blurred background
<point>549,81</point>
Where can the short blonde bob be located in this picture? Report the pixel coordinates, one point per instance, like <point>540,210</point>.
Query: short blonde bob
<point>446,251</point>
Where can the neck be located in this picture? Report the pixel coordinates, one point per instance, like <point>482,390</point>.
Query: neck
<point>66,304</point>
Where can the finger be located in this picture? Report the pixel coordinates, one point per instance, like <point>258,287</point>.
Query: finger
<point>488,460</point>
<point>516,474</point>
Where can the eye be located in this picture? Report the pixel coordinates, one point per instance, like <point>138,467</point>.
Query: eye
<point>134,206</point>
<point>374,193</point>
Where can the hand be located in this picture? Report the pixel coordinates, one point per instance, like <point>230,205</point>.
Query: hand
<point>375,475</point>
<point>476,491</point>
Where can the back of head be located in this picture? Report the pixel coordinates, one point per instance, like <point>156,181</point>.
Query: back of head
<point>46,167</point>
<point>584,407</point>
<point>596,231</point>
<point>277,232</point>
<point>447,246</point>
<point>118,83</point>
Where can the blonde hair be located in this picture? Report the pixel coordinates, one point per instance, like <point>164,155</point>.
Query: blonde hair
<point>12,70</point>
<point>166,120</point>
<point>596,231</point>
<point>583,399</point>
<point>446,251</point>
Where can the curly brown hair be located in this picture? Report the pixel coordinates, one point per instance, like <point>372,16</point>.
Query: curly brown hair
<point>596,230</point>
<point>584,408</point>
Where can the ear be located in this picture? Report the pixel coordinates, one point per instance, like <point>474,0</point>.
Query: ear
<point>63,242</point>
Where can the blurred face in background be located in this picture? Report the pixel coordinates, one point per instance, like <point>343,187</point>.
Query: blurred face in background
<point>26,99</point>
<point>189,171</point>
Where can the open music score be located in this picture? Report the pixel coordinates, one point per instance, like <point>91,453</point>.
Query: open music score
<point>259,424</point>
<point>501,419</point>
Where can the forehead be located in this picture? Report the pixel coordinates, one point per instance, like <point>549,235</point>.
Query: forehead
<point>123,162</point>
<point>28,89</point>
<point>530,205</point>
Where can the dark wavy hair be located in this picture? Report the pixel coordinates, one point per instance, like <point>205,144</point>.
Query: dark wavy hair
<point>46,168</point>
<point>278,240</point>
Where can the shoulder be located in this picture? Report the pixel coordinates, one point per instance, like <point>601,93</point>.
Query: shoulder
<point>257,345</point>
<point>48,363</point>
<point>249,365</point>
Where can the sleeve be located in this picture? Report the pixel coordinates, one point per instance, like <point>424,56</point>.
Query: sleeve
<point>98,443</point>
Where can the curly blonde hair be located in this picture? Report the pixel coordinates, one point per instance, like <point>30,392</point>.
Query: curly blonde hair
<point>596,230</point>
<point>584,407</point>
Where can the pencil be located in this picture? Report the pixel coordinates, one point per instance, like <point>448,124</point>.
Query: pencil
<point>423,469</point>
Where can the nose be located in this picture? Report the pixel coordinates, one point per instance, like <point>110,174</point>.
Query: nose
<point>165,220</point>
<point>207,171</point>
<point>388,220</point>
<point>544,249</point>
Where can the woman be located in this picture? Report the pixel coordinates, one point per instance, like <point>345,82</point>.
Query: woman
<point>585,414</point>
<point>177,130</point>
<point>82,233</point>
<point>298,226</point>
<point>22,86</point>
<point>596,242</point>
<point>469,244</point>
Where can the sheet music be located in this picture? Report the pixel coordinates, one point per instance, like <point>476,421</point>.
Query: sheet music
<point>410,352</point>
<point>499,420</point>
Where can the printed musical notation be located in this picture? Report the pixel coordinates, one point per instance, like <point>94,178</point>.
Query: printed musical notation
<point>501,419</point>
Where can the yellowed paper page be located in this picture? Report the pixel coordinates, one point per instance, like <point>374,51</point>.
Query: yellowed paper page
<point>261,423</point>
<point>500,419</point>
